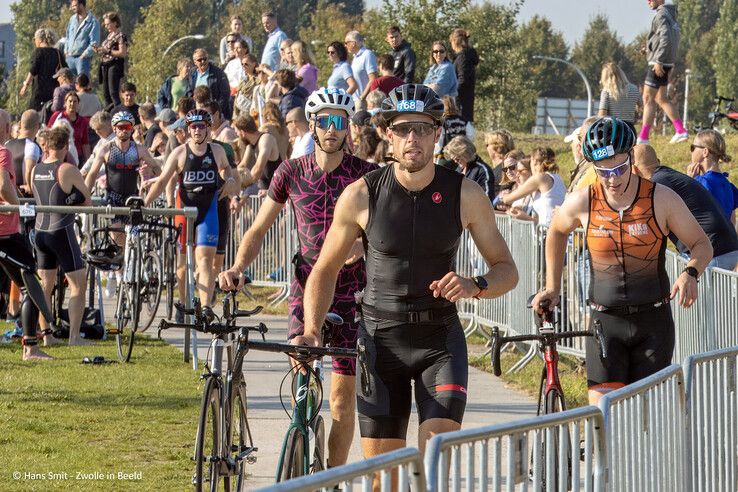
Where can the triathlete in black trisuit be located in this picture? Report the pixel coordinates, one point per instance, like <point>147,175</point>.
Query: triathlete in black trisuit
<point>60,184</point>
<point>627,220</point>
<point>411,215</point>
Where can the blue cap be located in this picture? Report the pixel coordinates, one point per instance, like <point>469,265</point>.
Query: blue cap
<point>178,125</point>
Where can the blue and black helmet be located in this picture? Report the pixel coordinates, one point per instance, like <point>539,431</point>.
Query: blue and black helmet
<point>198,115</point>
<point>607,137</point>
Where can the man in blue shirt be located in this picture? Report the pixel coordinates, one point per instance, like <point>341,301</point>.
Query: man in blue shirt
<point>364,64</point>
<point>214,79</point>
<point>83,32</point>
<point>271,57</point>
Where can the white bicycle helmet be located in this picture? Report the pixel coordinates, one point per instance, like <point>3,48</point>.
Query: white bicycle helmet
<point>122,116</point>
<point>331,98</point>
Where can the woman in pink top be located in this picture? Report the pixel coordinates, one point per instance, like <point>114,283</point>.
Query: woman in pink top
<point>306,69</point>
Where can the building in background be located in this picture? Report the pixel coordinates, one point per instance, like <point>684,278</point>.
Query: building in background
<point>7,48</point>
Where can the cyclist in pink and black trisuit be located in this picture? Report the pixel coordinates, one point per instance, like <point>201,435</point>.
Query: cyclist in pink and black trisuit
<point>312,184</point>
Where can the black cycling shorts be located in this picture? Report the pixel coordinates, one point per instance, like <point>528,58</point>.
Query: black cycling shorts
<point>652,80</point>
<point>638,345</point>
<point>59,248</point>
<point>431,354</point>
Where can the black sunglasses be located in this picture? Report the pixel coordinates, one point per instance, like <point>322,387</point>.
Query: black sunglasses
<point>435,52</point>
<point>693,146</point>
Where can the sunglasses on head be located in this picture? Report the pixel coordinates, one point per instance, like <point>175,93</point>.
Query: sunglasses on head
<point>617,171</point>
<point>326,120</point>
<point>198,126</point>
<point>124,126</point>
<point>420,129</point>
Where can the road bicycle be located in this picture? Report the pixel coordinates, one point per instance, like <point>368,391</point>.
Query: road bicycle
<point>718,114</point>
<point>224,445</point>
<point>551,397</point>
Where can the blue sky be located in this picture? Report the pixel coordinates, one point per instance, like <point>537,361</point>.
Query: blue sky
<point>627,17</point>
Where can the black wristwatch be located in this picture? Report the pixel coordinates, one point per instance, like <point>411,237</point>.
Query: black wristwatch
<point>481,283</point>
<point>692,272</point>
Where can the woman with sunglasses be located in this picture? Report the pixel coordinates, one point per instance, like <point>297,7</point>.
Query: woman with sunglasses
<point>441,75</point>
<point>342,76</point>
<point>627,220</point>
<point>545,186</point>
<point>515,172</point>
<point>708,150</point>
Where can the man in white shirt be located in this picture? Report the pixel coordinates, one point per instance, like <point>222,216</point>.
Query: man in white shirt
<point>101,124</point>
<point>299,131</point>
<point>364,64</point>
<point>234,69</point>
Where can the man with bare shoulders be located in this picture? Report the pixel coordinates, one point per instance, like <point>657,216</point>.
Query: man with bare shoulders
<point>627,220</point>
<point>204,177</point>
<point>411,215</point>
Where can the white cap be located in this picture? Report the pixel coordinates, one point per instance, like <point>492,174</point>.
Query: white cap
<point>574,135</point>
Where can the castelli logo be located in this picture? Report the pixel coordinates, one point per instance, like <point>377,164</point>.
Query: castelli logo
<point>436,197</point>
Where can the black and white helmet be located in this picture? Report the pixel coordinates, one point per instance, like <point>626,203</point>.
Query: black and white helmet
<point>329,98</point>
<point>412,98</point>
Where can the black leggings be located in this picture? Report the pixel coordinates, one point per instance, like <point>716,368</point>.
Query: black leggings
<point>111,76</point>
<point>16,249</point>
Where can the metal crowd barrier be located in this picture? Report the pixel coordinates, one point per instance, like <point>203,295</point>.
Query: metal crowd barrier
<point>406,462</point>
<point>28,209</point>
<point>537,451</point>
<point>712,413</point>
<point>646,428</point>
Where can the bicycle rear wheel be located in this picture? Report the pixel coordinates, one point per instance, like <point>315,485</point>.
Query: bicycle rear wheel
<point>294,456</point>
<point>207,442</point>
<point>150,288</point>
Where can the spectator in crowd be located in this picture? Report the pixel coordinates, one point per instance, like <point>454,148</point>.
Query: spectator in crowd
<point>65,80</point>
<point>201,96</point>
<point>342,77</point>
<point>273,123</point>
<point>386,81</point>
<point>466,60</point>
<point>226,49</point>
<point>176,86</point>
<point>149,125</point>
<point>101,124</point>
<point>699,201</point>
<point>661,53</point>
<point>46,61</point>
<point>285,53</point>
<point>358,121</point>
<point>271,54</point>
<point>516,171</point>
<point>78,124</point>
<point>619,96</point>
<point>498,144</point>
<point>441,75</point>
<point>364,63</point>
<point>234,69</point>
<point>374,101</point>
<point>266,90</point>
<point>128,101</point>
<point>113,53</point>
<point>265,151</point>
<point>165,118</point>
<point>89,103</point>
<point>307,72</point>
<point>583,174</point>
<point>72,155</point>
<point>207,74</point>
<point>462,151</point>
<point>221,127</point>
<point>452,125</point>
<point>293,94</point>
<point>299,133</point>
<point>403,55</point>
<point>25,151</point>
<point>244,93</point>
<point>545,185</point>
<point>708,150</point>
<point>82,35</point>
<point>369,141</point>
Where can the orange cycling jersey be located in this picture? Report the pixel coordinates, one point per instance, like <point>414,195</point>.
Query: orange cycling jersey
<point>627,250</point>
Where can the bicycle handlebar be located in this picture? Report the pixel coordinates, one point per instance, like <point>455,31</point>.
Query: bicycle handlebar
<point>213,328</point>
<point>302,351</point>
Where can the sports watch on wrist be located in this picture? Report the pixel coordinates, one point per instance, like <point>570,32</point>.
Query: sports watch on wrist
<point>481,283</point>
<point>692,272</point>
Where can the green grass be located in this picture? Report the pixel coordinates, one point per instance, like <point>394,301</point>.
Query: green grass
<point>676,156</point>
<point>66,417</point>
<point>262,297</point>
<point>573,381</point>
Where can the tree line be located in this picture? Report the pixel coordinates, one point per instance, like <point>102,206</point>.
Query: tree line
<point>508,80</point>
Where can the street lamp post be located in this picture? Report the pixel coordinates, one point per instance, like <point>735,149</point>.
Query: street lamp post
<point>579,71</point>
<point>687,75</point>
<point>189,36</point>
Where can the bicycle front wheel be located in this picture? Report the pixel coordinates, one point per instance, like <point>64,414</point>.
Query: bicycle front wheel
<point>169,258</point>
<point>150,288</point>
<point>124,333</point>
<point>557,469</point>
<point>318,458</point>
<point>293,464</point>
<point>207,443</point>
<point>241,442</point>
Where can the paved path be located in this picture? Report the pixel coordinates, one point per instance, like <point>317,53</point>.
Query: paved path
<point>490,401</point>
